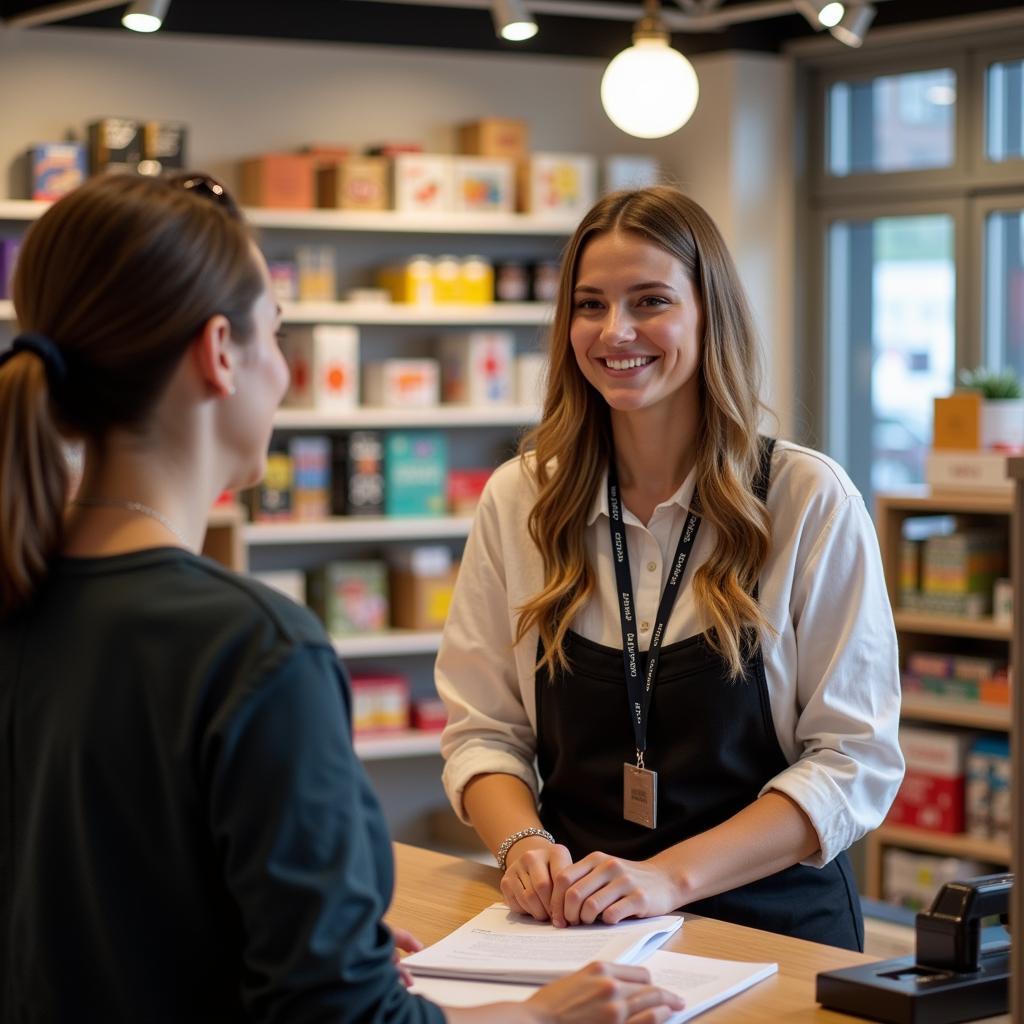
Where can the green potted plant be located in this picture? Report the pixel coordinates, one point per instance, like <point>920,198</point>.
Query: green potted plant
<point>1002,406</point>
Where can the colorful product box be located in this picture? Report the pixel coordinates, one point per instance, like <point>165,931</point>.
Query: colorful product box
<point>311,491</point>
<point>912,879</point>
<point>483,184</point>
<point>465,486</point>
<point>429,714</point>
<point>357,183</point>
<point>350,597</point>
<point>360,475</point>
<point>54,169</point>
<point>380,703</point>
<point>284,279</point>
<point>402,383</point>
<point>272,500</point>
<point>415,473</point>
<point>495,137</point>
<point>476,367</point>
<point>164,146</point>
<point>115,144</point>
<point>558,184</point>
<point>281,180</point>
<point>324,365</point>
<point>422,183</point>
<point>957,421</point>
<point>422,580</point>
<point>316,273</point>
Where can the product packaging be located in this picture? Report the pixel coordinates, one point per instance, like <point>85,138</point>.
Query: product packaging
<point>531,374</point>
<point>380,703</point>
<point>494,137</point>
<point>412,281</point>
<point>429,714</point>
<point>115,144</point>
<point>476,367</point>
<point>324,365</point>
<point>476,280</point>
<point>932,794</point>
<point>422,183</point>
<point>415,473</point>
<point>316,273</point>
<point>401,383</point>
<point>483,184</point>
<point>350,597</point>
<point>464,489</point>
<point>359,474</point>
<point>54,169</point>
<point>272,499</point>
<point>422,580</point>
<point>311,490</point>
<point>558,184</point>
<point>281,180</point>
<point>164,147</point>
<point>284,279</point>
<point>356,183</point>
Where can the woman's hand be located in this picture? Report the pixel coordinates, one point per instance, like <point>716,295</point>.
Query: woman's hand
<point>405,942</point>
<point>528,882</point>
<point>609,889</point>
<point>604,992</point>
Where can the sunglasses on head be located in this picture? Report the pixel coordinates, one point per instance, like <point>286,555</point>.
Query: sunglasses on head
<point>210,188</point>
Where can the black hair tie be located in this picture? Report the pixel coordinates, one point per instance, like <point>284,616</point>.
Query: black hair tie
<point>40,345</point>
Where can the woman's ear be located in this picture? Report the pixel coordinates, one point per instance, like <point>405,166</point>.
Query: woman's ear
<point>216,356</point>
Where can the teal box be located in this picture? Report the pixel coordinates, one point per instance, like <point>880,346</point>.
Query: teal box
<point>415,473</point>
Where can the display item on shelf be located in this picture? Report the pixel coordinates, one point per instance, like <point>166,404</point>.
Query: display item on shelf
<point>477,367</point>
<point>415,473</point>
<point>284,279</point>
<point>531,371</point>
<point>311,487</point>
<point>323,361</point>
<point>115,144</point>
<point>422,183</point>
<point>164,146</point>
<point>494,136</point>
<point>970,470</point>
<point>1002,601</point>
<point>278,180</point>
<point>350,596</point>
<point>316,267</point>
<point>956,421</point>
<point>393,148</point>
<point>368,296</point>
<point>355,183</point>
<point>359,474</point>
<point>477,280</point>
<point>483,184</point>
<point>464,489</point>
<point>558,184</point>
<point>988,804</point>
<point>544,277</point>
<point>511,282</point>
<point>53,169</point>
<point>380,703</point>
<point>429,714</point>
<point>271,500</point>
<point>411,281</point>
<point>402,383</point>
<point>326,155</point>
<point>447,275</point>
<point>912,879</point>
<point>422,579</point>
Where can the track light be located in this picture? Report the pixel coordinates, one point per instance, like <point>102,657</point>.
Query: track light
<point>512,21</point>
<point>649,90</point>
<point>821,13</point>
<point>145,15</point>
<point>854,25</point>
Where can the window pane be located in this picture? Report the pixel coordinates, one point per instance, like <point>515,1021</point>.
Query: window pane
<point>1004,290</point>
<point>1004,111</point>
<point>892,123</point>
<point>891,303</point>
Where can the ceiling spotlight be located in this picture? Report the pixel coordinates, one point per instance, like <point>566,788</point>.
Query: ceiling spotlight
<point>854,25</point>
<point>512,21</point>
<point>821,13</point>
<point>145,15</point>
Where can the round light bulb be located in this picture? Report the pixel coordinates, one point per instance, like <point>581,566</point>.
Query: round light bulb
<point>831,14</point>
<point>141,22</point>
<point>517,31</point>
<point>649,90</point>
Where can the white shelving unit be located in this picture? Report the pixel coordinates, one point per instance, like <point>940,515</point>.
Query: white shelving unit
<point>353,529</point>
<point>504,314</point>
<point>410,743</point>
<point>388,643</point>
<point>435,417</point>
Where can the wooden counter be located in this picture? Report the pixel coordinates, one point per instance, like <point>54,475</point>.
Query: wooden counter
<point>435,893</point>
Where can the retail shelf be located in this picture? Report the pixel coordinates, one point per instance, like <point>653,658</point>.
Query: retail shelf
<point>923,499</point>
<point>950,625</point>
<point>410,743</point>
<point>496,314</point>
<point>441,416</point>
<point>970,714</point>
<point>944,843</point>
<point>224,515</point>
<point>355,528</point>
<point>6,309</point>
<point>379,221</point>
<point>391,642</point>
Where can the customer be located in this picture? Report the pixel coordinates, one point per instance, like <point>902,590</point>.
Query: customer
<point>187,834</point>
<point>682,623</point>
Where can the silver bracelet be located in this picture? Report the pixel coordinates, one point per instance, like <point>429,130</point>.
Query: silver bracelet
<point>502,854</point>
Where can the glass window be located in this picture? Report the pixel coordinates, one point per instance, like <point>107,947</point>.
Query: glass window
<point>1004,111</point>
<point>891,342</point>
<point>1004,290</point>
<point>892,123</point>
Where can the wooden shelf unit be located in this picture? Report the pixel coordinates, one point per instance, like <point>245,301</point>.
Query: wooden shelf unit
<point>918,631</point>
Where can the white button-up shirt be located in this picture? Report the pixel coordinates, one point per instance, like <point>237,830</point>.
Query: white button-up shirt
<point>831,664</point>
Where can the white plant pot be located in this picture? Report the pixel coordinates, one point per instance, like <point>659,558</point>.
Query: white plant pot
<point>1002,423</point>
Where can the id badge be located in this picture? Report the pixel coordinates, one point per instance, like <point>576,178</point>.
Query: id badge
<point>640,795</point>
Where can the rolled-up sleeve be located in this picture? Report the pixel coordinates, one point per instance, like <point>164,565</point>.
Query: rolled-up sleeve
<point>848,686</point>
<point>488,730</point>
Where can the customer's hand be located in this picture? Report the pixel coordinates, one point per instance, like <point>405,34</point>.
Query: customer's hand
<point>600,993</point>
<point>405,942</point>
<point>600,887</point>
<point>530,871</point>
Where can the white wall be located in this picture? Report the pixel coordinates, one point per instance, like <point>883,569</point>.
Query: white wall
<point>245,96</point>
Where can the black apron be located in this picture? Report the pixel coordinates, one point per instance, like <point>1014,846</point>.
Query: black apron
<point>713,744</point>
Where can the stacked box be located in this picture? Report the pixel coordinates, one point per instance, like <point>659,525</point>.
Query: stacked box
<point>932,794</point>
<point>495,137</point>
<point>913,879</point>
<point>350,597</point>
<point>415,473</point>
<point>956,677</point>
<point>959,570</point>
<point>360,475</point>
<point>422,183</point>
<point>311,492</point>
<point>282,180</point>
<point>356,183</point>
<point>988,788</point>
<point>476,367</point>
<point>316,275</point>
<point>324,365</point>
<point>380,703</point>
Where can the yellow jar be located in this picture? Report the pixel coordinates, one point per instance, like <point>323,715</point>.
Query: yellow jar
<point>477,280</point>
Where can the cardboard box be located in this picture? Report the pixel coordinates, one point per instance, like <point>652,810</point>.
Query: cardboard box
<point>324,365</point>
<point>380,703</point>
<point>476,367</point>
<point>281,180</point>
<point>415,473</point>
<point>422,580</point>
<point>483,184</point>
<point>326,155</point>
<point>115,144</point>
<point>531,378</point>
<point>311,488</point>
<point>54,169</point>
<point>972,470</point>
<point>494,136</point>
<point>558,184</point>
<point>932,794</point>
<point>422,183</point>
<point>316,274</point>
<point>350,597</point>
<point>358,183</point>
<point>164,146</point>
<point>957,421</point>
<point>402,383</point>
<point>359,474</point>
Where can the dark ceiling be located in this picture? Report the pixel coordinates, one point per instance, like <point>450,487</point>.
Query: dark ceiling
<point>353,21</point>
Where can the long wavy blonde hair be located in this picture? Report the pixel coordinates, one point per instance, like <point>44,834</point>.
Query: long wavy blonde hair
<point>570,446</point>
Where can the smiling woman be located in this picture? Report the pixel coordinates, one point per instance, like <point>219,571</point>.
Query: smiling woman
<point>712,736</point>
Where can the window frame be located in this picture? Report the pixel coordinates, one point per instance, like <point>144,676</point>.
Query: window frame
<point>990,172</point>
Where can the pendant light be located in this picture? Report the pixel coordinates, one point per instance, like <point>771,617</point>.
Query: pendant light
<point>145,15</point>
<point>512,21</point>
<point>649,90</point>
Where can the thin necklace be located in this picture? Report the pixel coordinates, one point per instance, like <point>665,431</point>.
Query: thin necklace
<point>133,506</point>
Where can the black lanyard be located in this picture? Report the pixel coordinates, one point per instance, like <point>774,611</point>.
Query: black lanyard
<point>639,692</point>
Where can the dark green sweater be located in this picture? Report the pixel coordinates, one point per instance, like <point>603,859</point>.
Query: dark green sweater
<point>185,832</point>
